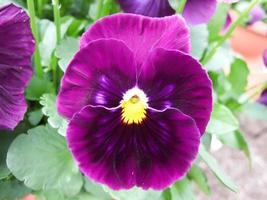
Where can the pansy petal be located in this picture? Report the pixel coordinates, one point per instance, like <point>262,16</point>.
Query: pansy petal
<point>265,57</point>
<point>141,34</point>
<point>227,24</point>
<point>16,49</point>
<point>263,97</point>
<point>256,14</point>
<point>151,8</point>
<point>153,154</point>
<point>173,79</point>
<point>99,74</point>
<point>197,12</point>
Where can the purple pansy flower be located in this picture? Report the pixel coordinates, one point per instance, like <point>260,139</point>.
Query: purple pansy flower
<point>256,14</point>
<point>152,8</point>
<point>137,102</point>
<point>16,49</point>
<point>265,58</point>
<point>195,11</point>
<point>228,22</point>
<point>263,97</point>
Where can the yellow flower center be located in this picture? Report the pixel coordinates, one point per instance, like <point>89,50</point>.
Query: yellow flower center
<point>134,106</point>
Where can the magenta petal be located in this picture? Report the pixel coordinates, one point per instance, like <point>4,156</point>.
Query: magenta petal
<point>265,58</point>
<point>141,34</point>
<point>173,79</point>
<point>228,22</point>
<point>256,14</point>
<point>199,11</point>
<point>153,154</point>
<point>99,74</point>
<point>263,97</point>
<point>16,49</point>
<point>152,8</point>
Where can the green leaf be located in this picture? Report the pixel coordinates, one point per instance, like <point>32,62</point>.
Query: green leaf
<point>222,120</point>
<point>181,190</point>
<point>199,40</point>
<point>66,50</point>
<point>96,190</point>
<point>255,110</point>
<point>37,87</point>
<point>223,58</point>
<point>48,101</point>
<point>133,194</point>
<point>50,195</point>
<point>35,117</point>
<point>72,189</point>
<point>76,27</point>
<point>216,169</point>
<point>200,178</point>
<point>217,21</point>
<point>6,138</point>
<point>48,40</point>
<point>166,195</point>
<point>57,195</point>
<point>238,76</point>
<point>12,190</point>
<point>236,140</point>
<point>42,160</point>
<point>206,140</point>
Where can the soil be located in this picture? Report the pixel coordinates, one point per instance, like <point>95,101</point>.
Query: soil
<point>252,181</point>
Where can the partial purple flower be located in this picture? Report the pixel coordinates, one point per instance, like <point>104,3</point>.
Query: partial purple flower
<point>263,98</point>
<point>151,8</point>
<point>16,49</point>
<point>256,14</point>
<point>198,12</point>
<point>265,57</point>
<point>137,102</point>
<point>195,11</point>
<point>228,22</point>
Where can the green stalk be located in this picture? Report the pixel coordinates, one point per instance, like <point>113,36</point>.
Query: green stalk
<point>58,36</point>
<point>181,6</point>
<point>247,99</point>
<point>99,8</point>
<point>40,8</point>
<point>228,34</point>
<point>37,57</point>
<point>57,19</point>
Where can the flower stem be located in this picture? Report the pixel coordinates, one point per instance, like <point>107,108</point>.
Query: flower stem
<point>37,57</point>
<point>228,34</point>
<point>57,19</point>
<point>181,6</point>
<point>40,8</point>
<point>58,36</point>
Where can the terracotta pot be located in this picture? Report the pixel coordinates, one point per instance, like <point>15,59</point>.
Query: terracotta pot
<point>250,42</point>
<point>29,197</point>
